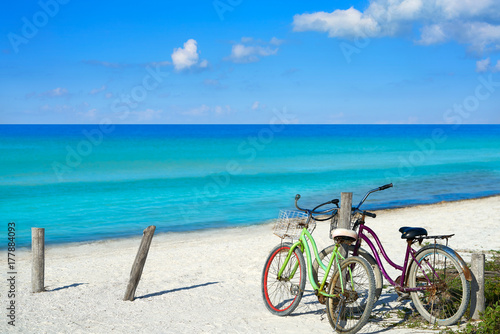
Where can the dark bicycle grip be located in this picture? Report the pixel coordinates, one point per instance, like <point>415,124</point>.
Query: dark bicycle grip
<point>369,214</point>
<point>297,197</point>
<point>385,186</point>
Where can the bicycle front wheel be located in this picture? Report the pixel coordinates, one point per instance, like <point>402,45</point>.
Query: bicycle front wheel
<point>445,291</point>
<point>282,294</point>
<point>318,273</point>
<point>355,286</point>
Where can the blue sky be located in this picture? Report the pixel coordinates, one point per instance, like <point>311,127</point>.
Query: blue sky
<point>241,61</point>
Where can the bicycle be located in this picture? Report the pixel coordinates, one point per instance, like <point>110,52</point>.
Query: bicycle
<point>349,296</point>
<point>435,276</point>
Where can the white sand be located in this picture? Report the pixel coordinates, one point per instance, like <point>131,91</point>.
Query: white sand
<point>209,282</point>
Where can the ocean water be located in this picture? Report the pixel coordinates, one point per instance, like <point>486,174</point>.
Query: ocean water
<point>92,182</point>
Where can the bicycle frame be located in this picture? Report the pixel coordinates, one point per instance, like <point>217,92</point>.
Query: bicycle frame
<point>304,247</point>
<point>410,255</point>
<point>403,269</point>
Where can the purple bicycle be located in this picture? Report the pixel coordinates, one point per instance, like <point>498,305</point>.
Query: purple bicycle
<point>435,276</point>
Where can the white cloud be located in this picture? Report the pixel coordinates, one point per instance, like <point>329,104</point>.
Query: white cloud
<point>204,63</point>
<point>452,9</point>
<point>90,114</point>
<point>219,110</point>
<point>187,57</point>
<point>348,23</point>
<point>483,65</point>
<point>432,34</point>
<point>497,67</point>
<point>147,115</point>
<point>250,50</point>
<point>65,108</point>
<point>480,36</point>
<point>56,92</point>
<point>198,111</point>
<point>59,91</point>
<point>471,22</point>
<point>97,90</point>
<point>257,105</point>
<point>205,110</point>
<point>243,53</point>
<point>276,41</point>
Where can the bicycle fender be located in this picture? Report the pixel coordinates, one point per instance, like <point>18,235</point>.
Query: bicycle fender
<point>452,253</point>
<point>371,260</point>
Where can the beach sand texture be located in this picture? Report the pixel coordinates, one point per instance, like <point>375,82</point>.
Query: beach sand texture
<point>209,281</point>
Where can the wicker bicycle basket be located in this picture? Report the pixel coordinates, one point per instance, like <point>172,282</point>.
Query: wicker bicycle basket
<point>290,224</point>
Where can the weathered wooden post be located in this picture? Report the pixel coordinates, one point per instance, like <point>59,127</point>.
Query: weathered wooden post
<point>140,260</point>
<point>477,303</point>
<point>345,215</point>
<point>38,256</point>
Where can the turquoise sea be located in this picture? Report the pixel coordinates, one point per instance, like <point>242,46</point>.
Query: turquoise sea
<point>94,182</point>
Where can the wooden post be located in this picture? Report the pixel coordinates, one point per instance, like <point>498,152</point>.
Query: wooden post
<point>345,215</point>
<point>477,302</point>
<point>38,256</point>
<point>140,260</point>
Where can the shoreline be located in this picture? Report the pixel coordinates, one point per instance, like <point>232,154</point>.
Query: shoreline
<point>209,229</point>
<point>440,202</point>
<point>209,281</point>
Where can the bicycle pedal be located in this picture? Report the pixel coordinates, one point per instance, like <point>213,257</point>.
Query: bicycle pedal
<point>294,289</point>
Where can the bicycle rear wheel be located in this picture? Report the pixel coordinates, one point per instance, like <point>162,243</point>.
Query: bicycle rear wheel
<point>447,292</point>
<point>282,295</point>
<point>349,312</point>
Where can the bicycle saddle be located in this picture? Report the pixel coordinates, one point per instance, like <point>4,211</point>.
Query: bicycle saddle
<point>344,235</point>
<point>412,232</point>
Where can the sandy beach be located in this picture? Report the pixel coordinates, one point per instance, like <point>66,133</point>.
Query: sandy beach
<point>209,281</point>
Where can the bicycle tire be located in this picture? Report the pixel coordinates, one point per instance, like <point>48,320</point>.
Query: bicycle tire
<point>446,302</point>
<point>351,311</point>
<point>282,296</point>
<point>318,273</point>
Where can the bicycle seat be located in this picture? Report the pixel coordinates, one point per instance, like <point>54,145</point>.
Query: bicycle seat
<point>344,235</point>
<point>412,232</point>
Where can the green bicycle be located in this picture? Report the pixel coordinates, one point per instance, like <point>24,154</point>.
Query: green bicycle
<point>349,294</point>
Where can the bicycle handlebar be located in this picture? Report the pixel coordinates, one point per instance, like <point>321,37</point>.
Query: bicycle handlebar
<point>336,202</point>
<point>369,214</point>
<point>386,186</point>
<point>333,201</point>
